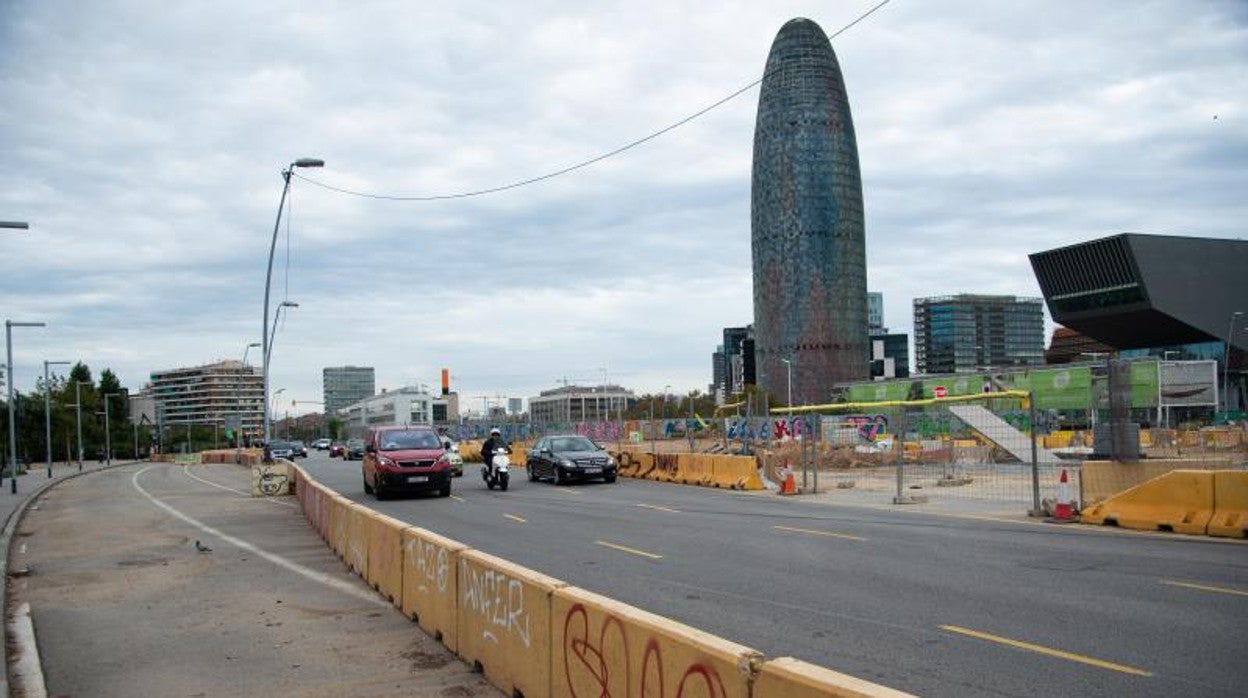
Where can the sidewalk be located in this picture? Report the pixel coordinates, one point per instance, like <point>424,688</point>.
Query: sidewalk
<point>159,579</point>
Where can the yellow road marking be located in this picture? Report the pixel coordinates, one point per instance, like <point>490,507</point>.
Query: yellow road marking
<point>658,508</point>
<point>515,518</point>
<point>1048,650</point>
<point>818,533</point>
<point>634,551</point>
<point>1204,587</point>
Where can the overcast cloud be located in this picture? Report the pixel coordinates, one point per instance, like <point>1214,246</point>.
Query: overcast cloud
<point>143,143</point>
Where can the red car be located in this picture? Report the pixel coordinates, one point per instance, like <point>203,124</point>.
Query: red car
<point>337,450</point>
<point>405,459</point>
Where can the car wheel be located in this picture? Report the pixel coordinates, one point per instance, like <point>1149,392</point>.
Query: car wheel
<point>609,479</point>
<point>532,471</point>
<point>368,489</point>
<point>445,491</point>
<point>558,477</point>
<point>378,492</point>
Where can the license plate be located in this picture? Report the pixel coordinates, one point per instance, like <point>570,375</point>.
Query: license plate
<point>593,470</point>
<point>417,478</point>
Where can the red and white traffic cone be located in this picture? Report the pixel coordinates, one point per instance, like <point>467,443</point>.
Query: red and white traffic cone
<point>788,484</point>
<point>1063,510</point>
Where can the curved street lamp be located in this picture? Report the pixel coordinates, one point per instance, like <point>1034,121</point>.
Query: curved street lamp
<point>268,280</point>
<point>47,410</point>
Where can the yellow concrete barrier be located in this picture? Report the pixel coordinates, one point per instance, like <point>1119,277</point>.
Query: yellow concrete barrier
<point>339,521</point>
<point>1179,501</point>
<point>470,451</point>
<point>431,583</point>
<point>504,622</point>
<point>1100,480</point>
<point>1230,504</point>
<point>738,472</point>
<point>385,556</point>
<point>355,546</point>
<point>601,647</point>
<point>697,469</point>
<point>786,677</point>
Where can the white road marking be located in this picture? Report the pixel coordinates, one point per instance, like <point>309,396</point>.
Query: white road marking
<point>310,574</point>
<point>274,500</point>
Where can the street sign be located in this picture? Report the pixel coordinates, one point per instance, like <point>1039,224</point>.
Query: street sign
<point>940,391</point>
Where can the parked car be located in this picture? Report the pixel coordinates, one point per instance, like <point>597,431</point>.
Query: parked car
<point>321,444</point>
<point>564,459</point>
<point>281,449</point>
<point>298,449</point>
<point>337,449</point>
<point>452,454</point>
<point>407,459</point>
<point>354,449</point>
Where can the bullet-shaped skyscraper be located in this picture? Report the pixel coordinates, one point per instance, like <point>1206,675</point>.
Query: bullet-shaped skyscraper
<point>808,237</point>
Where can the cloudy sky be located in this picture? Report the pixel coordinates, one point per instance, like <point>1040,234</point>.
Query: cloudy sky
<point>143,142</point>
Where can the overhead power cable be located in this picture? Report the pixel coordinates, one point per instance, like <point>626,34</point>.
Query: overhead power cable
<point>583,163</point>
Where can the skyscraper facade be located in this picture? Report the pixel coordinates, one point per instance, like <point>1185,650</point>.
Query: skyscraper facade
<point>346,385</point>
<point>808,237</point>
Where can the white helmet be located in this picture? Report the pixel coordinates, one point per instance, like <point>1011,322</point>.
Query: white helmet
<point>495,432</point>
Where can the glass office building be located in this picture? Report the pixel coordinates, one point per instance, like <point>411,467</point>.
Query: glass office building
<point>965,333</point>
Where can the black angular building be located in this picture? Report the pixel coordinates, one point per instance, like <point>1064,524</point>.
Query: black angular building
<point>808,237</point>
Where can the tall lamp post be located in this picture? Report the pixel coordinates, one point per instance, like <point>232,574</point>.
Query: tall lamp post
<point>108,437</point>
<point>238,396</point>
<point>8,346</point>
<point>268,279</point>
<point>47,410</point>
<point>78,416</point>
<point>1226,362</point>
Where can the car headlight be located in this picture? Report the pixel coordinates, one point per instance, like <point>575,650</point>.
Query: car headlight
<point>610,462</point>
<point>567,463</point>
<point>385,462</point>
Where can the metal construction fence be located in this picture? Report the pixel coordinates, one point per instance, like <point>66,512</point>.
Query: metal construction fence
<point>990,448</point>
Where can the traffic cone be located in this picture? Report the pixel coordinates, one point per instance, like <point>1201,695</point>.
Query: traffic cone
<point>1063,510</point>
<point>788,484</point>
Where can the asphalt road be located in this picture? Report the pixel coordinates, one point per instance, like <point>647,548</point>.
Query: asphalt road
<point>933,604</point>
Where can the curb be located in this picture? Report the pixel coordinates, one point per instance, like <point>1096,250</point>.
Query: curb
<point>6,537</point>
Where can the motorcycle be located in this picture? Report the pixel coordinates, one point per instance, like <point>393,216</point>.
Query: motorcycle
<point>495,474</point>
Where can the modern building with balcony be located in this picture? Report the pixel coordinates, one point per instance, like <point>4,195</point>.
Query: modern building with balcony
<point>208,394</point>
<point>968,332</point>
<point>575,403</point>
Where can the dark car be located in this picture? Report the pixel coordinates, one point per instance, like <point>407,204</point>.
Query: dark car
<point>354,450</point>
<point>564,459</point>
<point>281,449</point>
<point>405,459</point>
<point>337,450</point>
<point>298,449</point>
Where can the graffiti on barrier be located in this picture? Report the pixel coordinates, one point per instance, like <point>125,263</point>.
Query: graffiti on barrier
<point>588,663</point>
<point>870,427</point>
<point>498,599</point>
<point>432,564</point>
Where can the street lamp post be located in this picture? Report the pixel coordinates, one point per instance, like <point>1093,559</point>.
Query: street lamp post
<point>8,346</point>
<point>78,416</point>
<point>108,437</point>
<point>47,410</point>
<point>1226,362</point>
<point>238,397</point>
<point>268,279</point>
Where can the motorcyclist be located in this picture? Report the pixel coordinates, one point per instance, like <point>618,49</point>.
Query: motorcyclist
<point>495,441</point>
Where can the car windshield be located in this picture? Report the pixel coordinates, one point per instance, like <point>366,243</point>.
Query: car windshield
<point>572,443</point>
<point>278,445</point>
<point>356,443</point>
<point>402,440</point>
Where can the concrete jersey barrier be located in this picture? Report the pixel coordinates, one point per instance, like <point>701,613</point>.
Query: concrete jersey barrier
<point>535,635</point>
